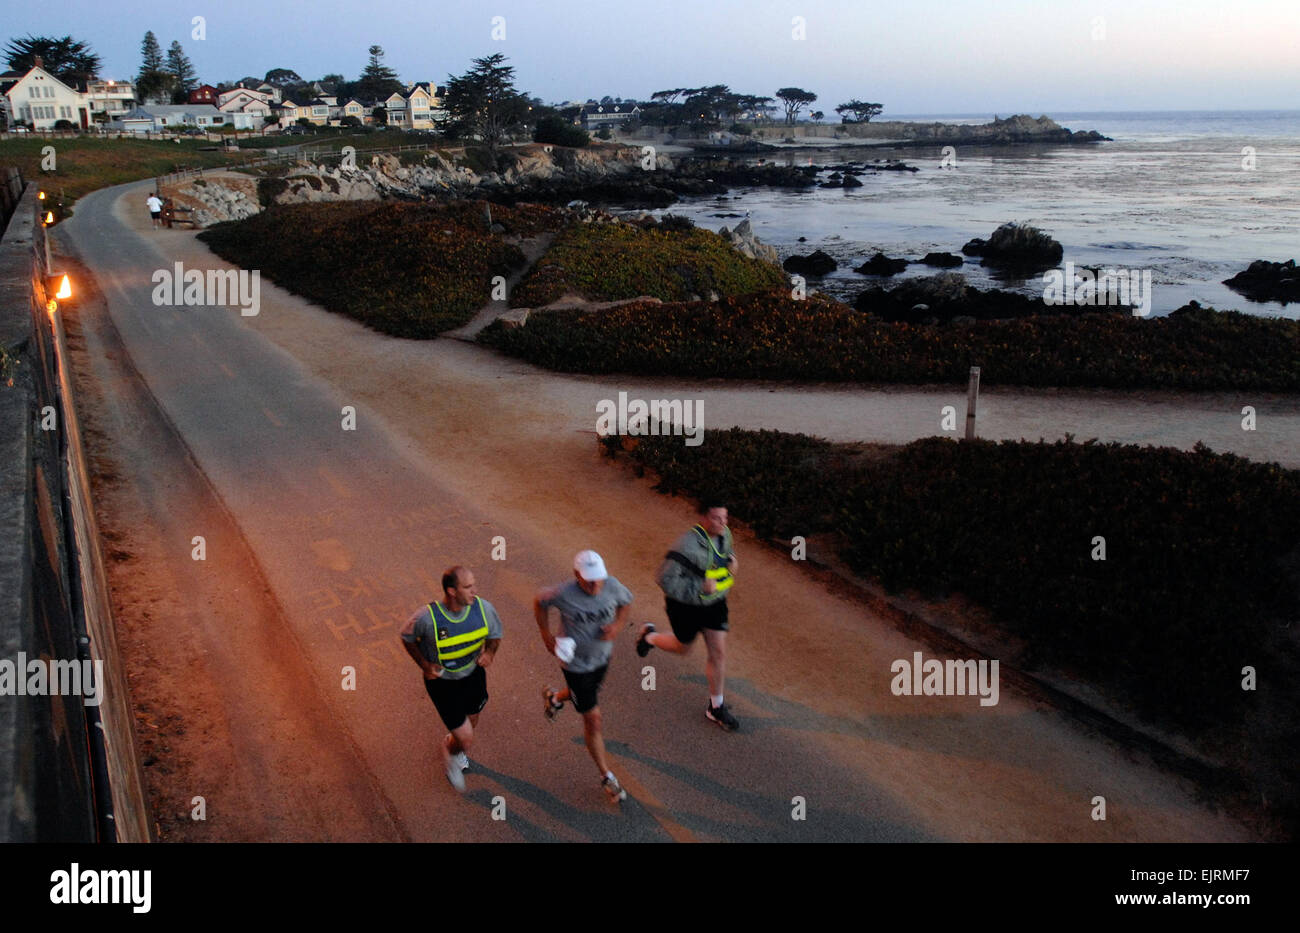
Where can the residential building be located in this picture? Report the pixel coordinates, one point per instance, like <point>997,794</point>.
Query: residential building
<point>159,117</point>
<point>241,94</point>
<point>40,100</point>
<point>420,108</point>
<point>593,116</point>
<point>354,108</point>
<point>203,94</point>
<point>109,100</point>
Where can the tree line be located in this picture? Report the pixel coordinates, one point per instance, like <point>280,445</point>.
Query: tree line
<point>482,102</point>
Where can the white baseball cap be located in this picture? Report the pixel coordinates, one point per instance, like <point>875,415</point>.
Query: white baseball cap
<point>589,566</point>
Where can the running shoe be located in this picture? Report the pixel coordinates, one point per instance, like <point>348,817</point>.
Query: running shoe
<point>552,708</point>
<point>722,716</point>
<point>454,777</point>
<point>642,646</point>
<point>461,760</point>
<point>613,788</point>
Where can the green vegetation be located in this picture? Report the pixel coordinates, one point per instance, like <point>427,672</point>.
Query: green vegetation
<point>772,336</point>
<point>86,163</point>
<point>555,129</point>
<point>606,262</point>
<point>1201,575</point>
<point>410,270</point>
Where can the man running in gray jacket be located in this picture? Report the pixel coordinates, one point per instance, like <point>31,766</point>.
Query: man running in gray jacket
<point>696,576</point>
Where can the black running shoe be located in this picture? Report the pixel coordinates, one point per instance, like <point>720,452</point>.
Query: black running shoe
<point>722,716</point>
<point>642,646</point>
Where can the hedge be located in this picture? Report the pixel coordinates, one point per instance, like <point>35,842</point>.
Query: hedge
<point>773,336</point>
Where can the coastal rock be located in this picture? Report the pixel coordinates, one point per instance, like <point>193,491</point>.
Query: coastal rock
<point>851,182</point>
<point>948,297</point>
<point>880,264</point>
<point>1020,248</point>
<point>816,263</point>
<point>217,200</point>
<point>744,241</point>
<point>974,247</point>
<point>1268,281</point>
<point>514,318</point>
<point>942,260</point>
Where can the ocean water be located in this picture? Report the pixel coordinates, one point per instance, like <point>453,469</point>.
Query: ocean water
<point>1173,194</point>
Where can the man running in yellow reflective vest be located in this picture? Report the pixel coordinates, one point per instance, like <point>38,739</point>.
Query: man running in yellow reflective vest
<point>454,642</point>
<point>696,576</point>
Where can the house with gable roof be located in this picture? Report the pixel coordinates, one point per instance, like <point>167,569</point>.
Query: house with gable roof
<point>40,100</point>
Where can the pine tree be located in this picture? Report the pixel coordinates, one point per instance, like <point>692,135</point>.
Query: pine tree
<point>378,81</point>
<point>182,73</point>
<point>67,59</point>
<point>152,78</point>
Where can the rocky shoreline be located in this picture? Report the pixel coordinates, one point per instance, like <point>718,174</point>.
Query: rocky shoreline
<point>1019,129</point>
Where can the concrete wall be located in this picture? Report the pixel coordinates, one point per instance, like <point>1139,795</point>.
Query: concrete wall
<point>68,772</point>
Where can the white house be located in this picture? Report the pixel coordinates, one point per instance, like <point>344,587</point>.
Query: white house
<point>156,118</point>
<point>246,112</point>
<point>594,116</point>
<point>111,98</point>
<point>40,100</point>
<point>239,96</point>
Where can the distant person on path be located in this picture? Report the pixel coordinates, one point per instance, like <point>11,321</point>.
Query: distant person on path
<point>696,576</point>
<point>593,607</point>
<point>454,642</point>
<point>155,209</point>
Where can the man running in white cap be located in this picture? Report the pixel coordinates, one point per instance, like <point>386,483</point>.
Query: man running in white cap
<point>593,610</point>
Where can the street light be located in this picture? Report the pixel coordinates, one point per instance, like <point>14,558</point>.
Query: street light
<point>60,286</point>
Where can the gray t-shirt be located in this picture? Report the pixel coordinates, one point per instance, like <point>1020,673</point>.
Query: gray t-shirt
<point>582,617</point>
<point>420,630</point>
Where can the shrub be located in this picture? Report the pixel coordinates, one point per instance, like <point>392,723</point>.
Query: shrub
<point>268,189</point>
<point>479,160</point>
<point>607,262</point>
<point>772,336</point>
<point>411,270</point>
<point>1202,549</point>
<point>560,132</point>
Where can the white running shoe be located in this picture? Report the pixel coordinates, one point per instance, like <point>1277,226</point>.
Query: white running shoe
<point>454,777</point>
<point>613,788</point>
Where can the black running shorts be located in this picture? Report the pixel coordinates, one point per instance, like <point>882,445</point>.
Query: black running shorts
<point>458,699</point>
<point>583,687</point>
<point>687,620</point>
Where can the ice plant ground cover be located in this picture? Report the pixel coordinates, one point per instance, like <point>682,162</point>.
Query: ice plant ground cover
<point>1154,575</point>
<point>774,336</point>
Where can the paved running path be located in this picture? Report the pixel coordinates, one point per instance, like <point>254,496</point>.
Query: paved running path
<point>352,527</point>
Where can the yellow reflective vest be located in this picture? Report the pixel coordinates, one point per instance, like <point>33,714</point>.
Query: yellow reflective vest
<point>458,640</point>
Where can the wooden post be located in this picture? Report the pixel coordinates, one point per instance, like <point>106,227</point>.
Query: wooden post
<point>972,396</point>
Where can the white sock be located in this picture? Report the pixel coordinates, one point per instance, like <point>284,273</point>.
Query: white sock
<point>716,700</point>
<point>609,775</point>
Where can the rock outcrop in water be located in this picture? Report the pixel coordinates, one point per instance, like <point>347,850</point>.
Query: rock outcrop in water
<point>1268,281</point>
<point>817,263</point>
<point>947,297</point>
<point>942,260</point>
<point>1017,248</point>
<point>880,264</point>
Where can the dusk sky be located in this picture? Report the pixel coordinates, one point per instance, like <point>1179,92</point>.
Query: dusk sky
<point>964,56</point>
